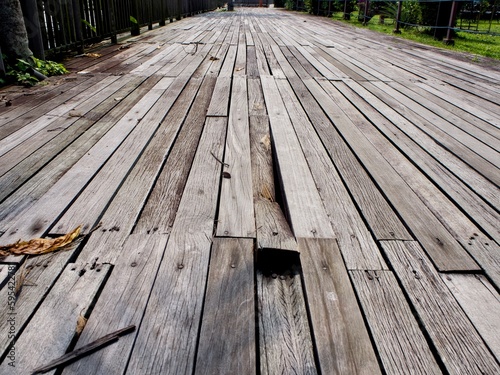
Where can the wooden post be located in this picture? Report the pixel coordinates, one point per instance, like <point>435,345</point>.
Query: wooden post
<point>365,15</point>
<point>150,15</point>
<point>2,66</point>
<point>449,37</point>
<point>398,17</point>
<point>32,23</point>
<point>163,13</point>
<point>135,29</point>
<point>78,25</point>
<point>347,16</point>
<point>112,22</point>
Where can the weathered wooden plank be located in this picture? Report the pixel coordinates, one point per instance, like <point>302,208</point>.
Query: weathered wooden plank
<point>236,213</point>
<point>39,276</point>
<point>479,210</point>
<point>356,243</point>
<point>37,218</point>
<point>53,326</point>
<point>152,138</point>
<point>172,319</point>
<point>457,342</point>
<point>160,209</point>
<point>400,343</point>
<point>121,303</point>
<point>481,303</point>
<point>284,336</point>
<point>219,105</point>
<point>382,219</point>
<point>342,342</point>
<point>303,203</point>
<point>437,241</point>
<point>473,152</point>
<point>241,60</point>
<point>227,337</point>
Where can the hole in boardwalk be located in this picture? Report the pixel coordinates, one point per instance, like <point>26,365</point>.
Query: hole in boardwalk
<point>278,263</point>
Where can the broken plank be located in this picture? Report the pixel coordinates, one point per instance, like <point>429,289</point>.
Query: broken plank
<point>400,343</point>
<point>174,310</point>
<point>285,339</point>
<point>355,240</point>
<point>121,303</point>
<point>227,336</point>
<point>303,203</point>
<point>455,339</point>
<point>54,324</point>
<point>273,231</point>
<point>342,342</point>
<point>236,213</point>
<point>481,303</point>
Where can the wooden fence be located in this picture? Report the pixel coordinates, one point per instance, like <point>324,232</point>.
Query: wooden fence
<point>60,25</point>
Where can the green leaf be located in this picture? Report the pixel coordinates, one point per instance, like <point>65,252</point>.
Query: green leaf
<point>133,20</point>
<point>89,25</point>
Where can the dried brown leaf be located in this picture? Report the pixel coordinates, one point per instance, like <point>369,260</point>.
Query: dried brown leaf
<point>39,246</point>
<point>80,324</point>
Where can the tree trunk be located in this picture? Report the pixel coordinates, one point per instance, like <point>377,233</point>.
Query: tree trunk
<point>13,35</point>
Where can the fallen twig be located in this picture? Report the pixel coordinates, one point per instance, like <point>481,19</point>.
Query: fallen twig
<point>85,350</point>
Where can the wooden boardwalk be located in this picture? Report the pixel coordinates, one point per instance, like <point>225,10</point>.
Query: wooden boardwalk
<point>278,193</point>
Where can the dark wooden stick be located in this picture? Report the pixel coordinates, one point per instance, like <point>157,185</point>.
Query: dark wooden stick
<point>85,350</point>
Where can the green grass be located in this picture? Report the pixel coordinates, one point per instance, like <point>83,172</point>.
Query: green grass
<point>476,44</point>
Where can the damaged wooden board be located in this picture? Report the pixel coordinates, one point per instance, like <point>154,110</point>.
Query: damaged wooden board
<point>303,203</point>
<point>227,342</point>
<point>342,342</point>
<point>285,340</point>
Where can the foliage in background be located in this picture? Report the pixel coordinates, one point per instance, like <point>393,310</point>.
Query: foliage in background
<point>289,4</point>
<point>21,72</point>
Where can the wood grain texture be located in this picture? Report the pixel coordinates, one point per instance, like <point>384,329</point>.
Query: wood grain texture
<point>456,340</point>
<point>341,338</point>
<point>400,343</point>
<point>171,321</point>
<point>39,276</point>
<point>481,303</point>
<point>236,213</point>
<point>437,241</point>
<point>356,243</point>
<point>303,203</point>
<point>227,337</point>
<point>121,303</point>
<point>41,214</point>
<point>284,336</point>
<point>52,328</point>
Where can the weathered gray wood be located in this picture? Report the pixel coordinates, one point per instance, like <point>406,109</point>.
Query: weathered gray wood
<point>42,213</point>
<point>160,209</point>
<point>341,338</point>
<point>436,239</point>
<point>303,203</point>
<point>356,243</point>
<point>219,105</point>
<point>39,276</point>
<point>236,213</point>
<point>156,132</point>
<point>400,343</point>
<point>481,303</point>
<point>227,337</point>
<point>456,340</point>
<point>382,219</point>
<point>122,302</point>
<point>52,328</point>
<point>273,231</point>
<point>284,336</point>
<point>172,319</point>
